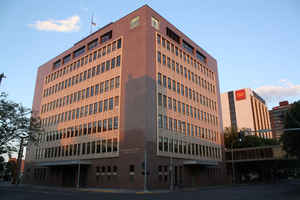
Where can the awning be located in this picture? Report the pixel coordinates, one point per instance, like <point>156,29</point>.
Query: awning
<point>63,163</point>
<point>201,162</point>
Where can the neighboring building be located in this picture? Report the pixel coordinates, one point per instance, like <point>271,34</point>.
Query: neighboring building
<point>277,115</point>
<point>245,109</point>
<point>135,90</point>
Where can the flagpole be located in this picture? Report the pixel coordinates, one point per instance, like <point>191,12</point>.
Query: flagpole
<point>91,24</point>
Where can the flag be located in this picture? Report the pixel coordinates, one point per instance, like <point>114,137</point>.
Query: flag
<point>92,22</point>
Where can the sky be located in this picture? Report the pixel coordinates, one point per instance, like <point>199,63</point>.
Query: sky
<point>256,43</point>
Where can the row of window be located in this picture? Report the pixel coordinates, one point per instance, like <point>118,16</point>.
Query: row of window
<point>106,50</point>
<point>183,71</point>
<point>87,74</point>
<point>186,109</point>
<point>166,144</point>
<point>94,90</point>
<point>83,111</point>
<point>186,58</point>
<point>82,130</point>
<point>95,147</point>
<point>185,91</point>
<point>185,128</point>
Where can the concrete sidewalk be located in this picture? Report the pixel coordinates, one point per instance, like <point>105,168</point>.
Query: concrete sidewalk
<point>104,190</point>
<point>128,191</point>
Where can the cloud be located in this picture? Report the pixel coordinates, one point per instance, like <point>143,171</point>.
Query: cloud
<point>65,25</point>
<point>279,92</point>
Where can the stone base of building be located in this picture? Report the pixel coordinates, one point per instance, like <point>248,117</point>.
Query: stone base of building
<point>111,173</point>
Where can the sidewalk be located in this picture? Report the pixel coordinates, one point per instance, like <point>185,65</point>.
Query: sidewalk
<point>104,190</point>
<point>128,191</point>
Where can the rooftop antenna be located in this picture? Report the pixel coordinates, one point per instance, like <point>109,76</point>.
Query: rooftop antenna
<point>92,23</point>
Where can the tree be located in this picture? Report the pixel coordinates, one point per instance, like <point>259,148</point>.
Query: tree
<point>16,123</point>
<point>291,139</point>
<point>233,139</point>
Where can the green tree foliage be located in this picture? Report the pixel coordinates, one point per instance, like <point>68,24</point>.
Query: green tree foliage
<point>232,139</point>
<point>291,139</point>
<point>15,123</point>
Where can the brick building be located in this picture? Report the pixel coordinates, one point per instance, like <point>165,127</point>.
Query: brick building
<point>135,94</point>
<point>244,108</point>
<point>277,115</point>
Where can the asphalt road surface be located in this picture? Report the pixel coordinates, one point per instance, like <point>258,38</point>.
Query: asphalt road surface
<point>288,190</point>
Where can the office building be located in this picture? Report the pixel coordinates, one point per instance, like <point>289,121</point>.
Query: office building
<point>135,96</point>
<point>277,115</point>
<point>244,108</point>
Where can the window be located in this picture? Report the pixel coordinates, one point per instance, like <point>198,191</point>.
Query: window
<point>200,56</point>
<point>119,44</point>
<point>170,103</point>
<point>112,83</point>
<point>99,126</point>
<point>173,35</point>
<point>66,59</point>
<point>56,64</point>
<point>169,83</point>
<point>116,101</point>
<point>116,122</point>
<point>105,105</point>
<point>159,99</point>
<point>159,78</point>
<point>105,37</point>
<point>118,61</point>
<point>117,79</point>
<point>164,100</point>
<point>134,22</point>
<point>164,81</point>
<point>154,23</point>
<point>110,124</point>
<point>158,57</point>
<point>104,125</point>
<point>158,39</point>
<point>160,122</point>
<point>113,63</point>
<point>187,46</point>
<point>107,65</point>
<point>79,51</point>
<point>93,44</point>
<point>111,103</point>
<point>164,59</point>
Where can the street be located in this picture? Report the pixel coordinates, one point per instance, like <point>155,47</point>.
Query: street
<point>288,190</point>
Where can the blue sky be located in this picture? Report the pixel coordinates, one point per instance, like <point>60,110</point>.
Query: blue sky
<point>255,42</point>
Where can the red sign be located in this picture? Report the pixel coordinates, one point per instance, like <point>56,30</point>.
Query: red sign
<point>240,94</point>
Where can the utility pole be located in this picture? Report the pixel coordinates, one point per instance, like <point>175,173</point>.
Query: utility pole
<point>19,161</point>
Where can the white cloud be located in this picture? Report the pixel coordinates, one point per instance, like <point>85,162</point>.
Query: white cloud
<point>279,92</point>
<point>65,25</point>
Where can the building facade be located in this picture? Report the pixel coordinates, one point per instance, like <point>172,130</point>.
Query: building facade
<point>135,96</point>
<point>277,115</point>
<point>245,109</point>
